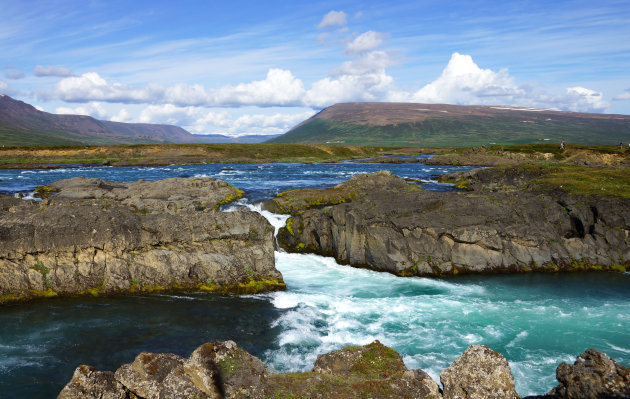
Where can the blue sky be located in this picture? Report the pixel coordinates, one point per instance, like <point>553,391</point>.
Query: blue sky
<point>251,67</point>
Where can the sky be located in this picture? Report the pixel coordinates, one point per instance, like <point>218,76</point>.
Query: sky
<point>261,67</point>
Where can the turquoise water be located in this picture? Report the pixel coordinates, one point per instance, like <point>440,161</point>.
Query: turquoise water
<point>536,321</point>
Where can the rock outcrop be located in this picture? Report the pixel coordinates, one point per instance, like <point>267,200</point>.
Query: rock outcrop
<point>99,238</point>
<point>222,370</point>
<point>594,375</point>
<point>390,225</point>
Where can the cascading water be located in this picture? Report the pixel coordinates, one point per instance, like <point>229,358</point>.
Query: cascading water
<point>535,320</point>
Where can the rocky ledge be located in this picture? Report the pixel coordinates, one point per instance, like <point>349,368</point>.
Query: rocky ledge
<point>89,236</point>
<point>381,222</point>
<point>222,370</point>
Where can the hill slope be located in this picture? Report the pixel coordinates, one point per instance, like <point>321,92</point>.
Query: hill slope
<point>440,125</point>
<point>23,124</point>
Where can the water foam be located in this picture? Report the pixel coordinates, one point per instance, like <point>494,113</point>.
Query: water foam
<point>431,322</point>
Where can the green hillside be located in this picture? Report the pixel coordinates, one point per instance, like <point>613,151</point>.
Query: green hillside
<point>459,129</point>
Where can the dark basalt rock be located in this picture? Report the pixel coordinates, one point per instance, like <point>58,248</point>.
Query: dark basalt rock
<point>594,375</point>
<point>94,237</point>
<point>393,226</point>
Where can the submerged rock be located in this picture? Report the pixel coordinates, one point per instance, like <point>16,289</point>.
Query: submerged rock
<point>387,224</point>
<point>63,246</point>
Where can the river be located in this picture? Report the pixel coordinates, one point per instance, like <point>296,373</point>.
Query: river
<point>535,320</point>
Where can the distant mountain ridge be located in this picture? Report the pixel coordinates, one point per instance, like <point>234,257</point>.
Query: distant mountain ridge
<point>443,125</point>
<point>21,124</point>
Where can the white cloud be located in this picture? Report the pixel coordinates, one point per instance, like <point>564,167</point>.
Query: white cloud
<point>92,87</point>
<point>279,88</point>
<point>93,109</point>
<point>367,41</point>
<point>14,75</point>
<point>201,120</point>
<point>361,79</point>
<point>623,96</point>
<point>58,71</point>
<point>121,116</point>
<point>463,82</point>
<point>581,99</point>
<point>333,18</point>
<point>4,87</point>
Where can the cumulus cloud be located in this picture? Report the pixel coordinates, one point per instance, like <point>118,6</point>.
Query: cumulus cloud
<point>362,79</point>
<point>93,109</point>
<point>92,87</point>
<point>280,87</point>
<point>201,120</point>
<point>463,82</point>
<point>14,75</point>
<point>5,88</point>
<point>367,41</point>
<point>61,72</point>
<point>333,18</point>
<point>581,99</point>
<point>623,96</point>
<point>122,116</point>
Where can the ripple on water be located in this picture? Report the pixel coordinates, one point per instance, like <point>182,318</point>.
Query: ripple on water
<point>431,321</point>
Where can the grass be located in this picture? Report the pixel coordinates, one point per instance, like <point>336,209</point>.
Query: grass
<point>453,131</point>
<point>589,181</point>
<point>164,154</point>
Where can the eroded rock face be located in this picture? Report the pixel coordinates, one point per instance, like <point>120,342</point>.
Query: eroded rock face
<point>102,246</point>
<point>594,375</point>
<point>480,373</point>
<point>414,232</point>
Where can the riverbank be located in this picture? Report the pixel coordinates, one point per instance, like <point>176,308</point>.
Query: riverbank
<point>169,154</point>
<point>181,154</point>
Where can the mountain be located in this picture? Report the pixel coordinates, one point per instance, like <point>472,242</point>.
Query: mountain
<point>22,124</point>
<point>441,125</point>
<point>221,138</point>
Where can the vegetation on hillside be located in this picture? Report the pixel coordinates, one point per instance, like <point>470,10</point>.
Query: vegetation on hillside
<point>165,154</point>
<point>460,131</point>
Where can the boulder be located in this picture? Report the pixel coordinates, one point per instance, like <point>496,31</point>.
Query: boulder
<point>480,373</point>
<point>158,376</point>
<point>594,375</point>
<point>223,370</point>
<point>87,383</point>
